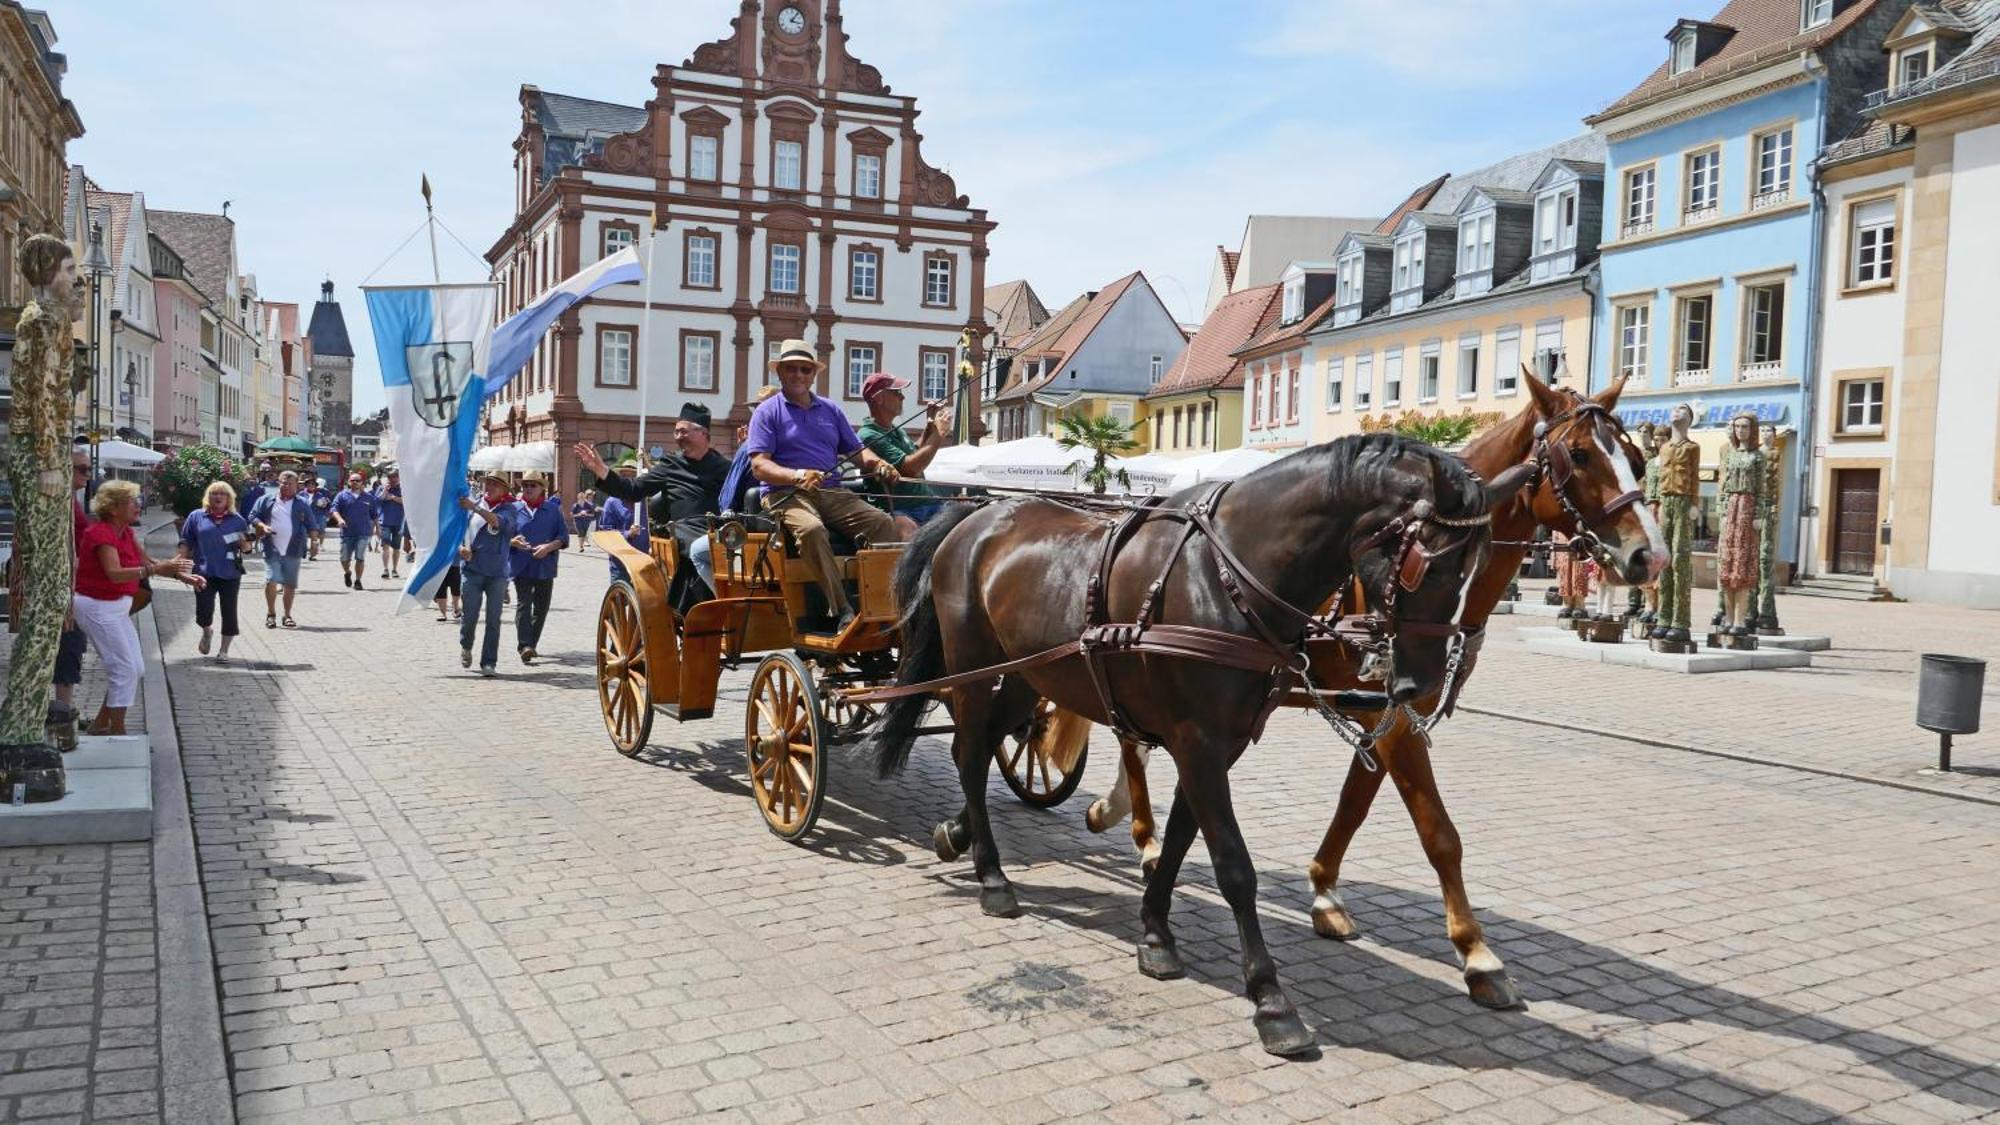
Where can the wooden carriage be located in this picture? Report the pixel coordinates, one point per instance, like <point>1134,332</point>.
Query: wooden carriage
<point>652,660</point>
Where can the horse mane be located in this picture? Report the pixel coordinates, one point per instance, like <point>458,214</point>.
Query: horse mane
<point>1359,464</point>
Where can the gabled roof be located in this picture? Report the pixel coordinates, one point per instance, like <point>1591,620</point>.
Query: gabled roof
<point>117,208</point>
<point>1355,240</point>
<point>1503,197</point>
<point>1064,335</point>
<point>1416,201</point>
<point>205,243</point>
<point>1014,311</point>
<point>1274,333</point>
<point>1209,361</point>
<point>1880,132</point>
<point>1229,258</point>
<point>1429,220</point>
<point>1764,30</point>
<point>328,328</point>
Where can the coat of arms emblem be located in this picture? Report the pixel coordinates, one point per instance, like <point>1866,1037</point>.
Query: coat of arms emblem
<point>438,374</point>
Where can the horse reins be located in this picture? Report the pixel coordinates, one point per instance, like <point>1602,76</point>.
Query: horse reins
<point>1552,462</point>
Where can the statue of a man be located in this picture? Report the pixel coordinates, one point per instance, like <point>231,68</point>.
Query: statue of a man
<point>1765,608</point>
<point>1680,483</point>
<point>38,464</point>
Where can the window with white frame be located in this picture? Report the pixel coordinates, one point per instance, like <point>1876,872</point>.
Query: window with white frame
<point>1295,292</point>
<point>935,374</point>
<point>937,281</point>
<point>864,276</point>
<point>868,175</point>
<point>1872,243</point>
<point>1155,369</point>
<point>1693,319</point>
<point>1641,194</point>
<point>1683,53</point>
<point>1348,280</point>
<point>701,261</point>
<point>1257,398</point>
<point>1336,369</point>
<point>787,160</point>
<point>1774,165</point>
<point>1507,360</point>
<point>1861,404</point>
<point>1912,65</point>
<point>614,357</point>
<point>1548,224</point>
<point>618,238</point>
<point>698,362</point>
<point>1814,13</point>
<point>1764,324</point>
<point>1468,367</point>
<point>1404,247</point>
<point>1364,381</point>
<point>1428,362</point>
<point>1392,377</point>
<point>703,156</point>
<point>1549,350</point>
<point>1292,395</point>
<point>1704,182</point>
<point>784,268</point>
<point>1408,290</point>
<point>1475,243</point>
<point>863,360</point>
<point>1566,220</point>
<point>1635,331</point>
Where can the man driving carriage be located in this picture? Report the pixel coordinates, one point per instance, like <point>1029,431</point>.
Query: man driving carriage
<point>797,440</point>
<point>684,487</point>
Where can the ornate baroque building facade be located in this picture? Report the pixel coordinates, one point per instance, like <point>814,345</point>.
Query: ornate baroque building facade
<point>787,195</point>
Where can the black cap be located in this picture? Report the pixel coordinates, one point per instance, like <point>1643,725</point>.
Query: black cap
<point>696,413</point>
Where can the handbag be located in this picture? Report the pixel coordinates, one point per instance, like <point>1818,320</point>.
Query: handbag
<point>143,596</point>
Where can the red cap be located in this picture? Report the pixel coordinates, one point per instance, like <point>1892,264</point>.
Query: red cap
<point>881,381</point>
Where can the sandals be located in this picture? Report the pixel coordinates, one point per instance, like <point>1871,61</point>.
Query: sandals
<point>289,623</point>
<point>201,646</point>
<point>270,621</point>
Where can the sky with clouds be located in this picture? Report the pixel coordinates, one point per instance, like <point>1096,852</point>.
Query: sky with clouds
<point>1102,135</point>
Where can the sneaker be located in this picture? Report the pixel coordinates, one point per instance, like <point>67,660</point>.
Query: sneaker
<point>347,580</point>
<point>488,670</point>
<point>385,574</point>
<point>357,581</point>
<point>528,655</point>
<point>465,658</point>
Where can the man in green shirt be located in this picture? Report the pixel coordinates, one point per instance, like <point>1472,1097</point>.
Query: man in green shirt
<point>915,501</point>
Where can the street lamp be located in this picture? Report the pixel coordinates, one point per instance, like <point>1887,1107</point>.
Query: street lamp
<point>131,395</point>
<point>97,264</point>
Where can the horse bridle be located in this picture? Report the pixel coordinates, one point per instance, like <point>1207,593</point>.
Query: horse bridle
<point>1552,462</point>
<point>1413,563</point>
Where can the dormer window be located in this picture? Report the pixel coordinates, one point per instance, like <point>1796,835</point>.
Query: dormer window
<point>1912,65</point>
<point>1683,52</point>
<point>1475,253</point>
<point>1406,289</point>
<point>1348,289</point>
<point>1295,295</point>
<point>1814,13</point>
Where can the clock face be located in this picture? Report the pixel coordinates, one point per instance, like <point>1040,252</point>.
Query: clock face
<point>791,21</point>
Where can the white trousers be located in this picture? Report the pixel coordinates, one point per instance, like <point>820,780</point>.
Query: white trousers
<point>109,626</point>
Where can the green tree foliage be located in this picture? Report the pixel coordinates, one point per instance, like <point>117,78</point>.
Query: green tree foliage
<point>1442,430</point>
<point>181,479</point>
<point>1105,437</point>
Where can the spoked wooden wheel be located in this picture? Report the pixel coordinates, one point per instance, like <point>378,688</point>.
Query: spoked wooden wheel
<point>785,741</point>
<point>623,690</point>
<point>1028,765</point>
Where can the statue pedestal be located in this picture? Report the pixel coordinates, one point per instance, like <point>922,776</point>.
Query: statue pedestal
<point>1639,629</point>
<point>1691,660</point>
<point>1674,648</point>
<point>1733,642</point>
<point>1602,630</point>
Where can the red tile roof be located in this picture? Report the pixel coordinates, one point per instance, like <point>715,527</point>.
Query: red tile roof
<point>1229,260</point>
<point>1765,30</point>
<point>1418,200</point>
<point>1209,361</point>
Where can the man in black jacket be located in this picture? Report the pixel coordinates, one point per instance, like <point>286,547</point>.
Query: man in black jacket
<point>683,486</point>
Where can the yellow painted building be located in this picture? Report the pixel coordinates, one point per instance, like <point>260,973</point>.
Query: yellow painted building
<point>1198,406</point>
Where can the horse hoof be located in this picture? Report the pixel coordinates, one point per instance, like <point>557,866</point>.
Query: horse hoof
<point>1161,962</point>
<point>999,902</point>
<point>1284,1033</point>
<point>1093,817</point>
<point>1492,988</point>
<point>947,848</point>
<point>1334,922</point>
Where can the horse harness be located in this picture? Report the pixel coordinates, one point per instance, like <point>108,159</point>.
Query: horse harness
<point>1268,651</point>
<point>1552,461</point>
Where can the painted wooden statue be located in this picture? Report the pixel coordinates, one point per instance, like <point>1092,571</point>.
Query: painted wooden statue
<point>1742,492</point>
<point>1766,605</point>
<point>1680,483</point>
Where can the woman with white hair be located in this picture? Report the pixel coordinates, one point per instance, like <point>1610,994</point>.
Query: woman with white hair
<point>213,539</point>
<point>109,566</point>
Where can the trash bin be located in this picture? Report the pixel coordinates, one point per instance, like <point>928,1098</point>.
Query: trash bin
<point>1948,697</point>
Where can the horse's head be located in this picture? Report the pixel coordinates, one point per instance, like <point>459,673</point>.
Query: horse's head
<point>1417,552</point>
<point>1586,482</point>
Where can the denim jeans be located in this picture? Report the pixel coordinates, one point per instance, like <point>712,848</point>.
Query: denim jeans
<point>478,590</point>
<point>533,611</point>
<point>704,563</point>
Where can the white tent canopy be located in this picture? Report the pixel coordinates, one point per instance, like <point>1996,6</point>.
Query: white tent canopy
<point>1040,464</point>
<point>532,457</point>
<point>489,459</point>
<point>1227,464</point>
<point>125,455</point>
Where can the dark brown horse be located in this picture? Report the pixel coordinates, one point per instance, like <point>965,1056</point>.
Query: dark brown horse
<point>986,586</point>
<point>1585,470</point>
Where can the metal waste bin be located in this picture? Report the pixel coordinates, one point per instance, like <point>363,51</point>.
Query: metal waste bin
<point>1948,697</point>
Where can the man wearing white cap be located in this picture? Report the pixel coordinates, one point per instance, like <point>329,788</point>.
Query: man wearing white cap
<point>797,441</point>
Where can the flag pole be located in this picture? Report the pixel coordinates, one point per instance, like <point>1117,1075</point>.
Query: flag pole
<point>430,222</point>
<point>645,326</point>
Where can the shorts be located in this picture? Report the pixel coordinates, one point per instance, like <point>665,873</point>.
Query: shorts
<point>390,536</point>
<point>354,547</point>
<point>281,571</point>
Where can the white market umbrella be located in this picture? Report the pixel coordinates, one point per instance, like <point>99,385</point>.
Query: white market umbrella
<point>1038,462</point>
<point>1227,464</point>
<point>1149,473</point>
<point>125,455</point>
<point>489,459</point>
<point>532,457</point>
<point>958,465</point>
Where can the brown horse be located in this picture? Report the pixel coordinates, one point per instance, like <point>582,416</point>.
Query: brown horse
<point>1585,474</point>
<point>1002,583</point>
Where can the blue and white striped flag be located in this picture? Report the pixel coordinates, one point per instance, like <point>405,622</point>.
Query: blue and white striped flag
<point>441,360</point>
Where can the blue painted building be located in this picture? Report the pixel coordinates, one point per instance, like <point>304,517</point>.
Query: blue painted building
<point>1710,256</point>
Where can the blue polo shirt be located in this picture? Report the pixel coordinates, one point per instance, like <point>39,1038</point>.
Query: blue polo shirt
<point>215,544</point>
<point>321,503</point>
<point>357,511</point>
<point>813,436</point>
<point>390,504</point>
<point>539,525</point>
<point>489,545</point>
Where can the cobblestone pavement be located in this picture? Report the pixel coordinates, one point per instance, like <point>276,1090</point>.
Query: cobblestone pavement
<point>434,897</point>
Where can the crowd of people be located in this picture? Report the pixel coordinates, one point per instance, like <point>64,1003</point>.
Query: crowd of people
<point>785,472</point>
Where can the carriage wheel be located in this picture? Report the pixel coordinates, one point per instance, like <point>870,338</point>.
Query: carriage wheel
<point>624,692</point>
<point>1025,764</point>
<point>785,741</point>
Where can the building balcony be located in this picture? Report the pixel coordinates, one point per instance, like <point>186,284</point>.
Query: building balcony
<point>1941,80</point>
<point>1703,214</point>
<point>783,303</point>
<point>1694,377</point>
<point>1765,200</point>
<point>1635,230</point>
<point>1763,372</point>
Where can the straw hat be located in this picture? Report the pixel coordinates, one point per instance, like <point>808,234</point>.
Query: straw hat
<point>797,351</point>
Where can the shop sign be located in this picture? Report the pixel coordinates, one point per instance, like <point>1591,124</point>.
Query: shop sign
<point>1769,412</point>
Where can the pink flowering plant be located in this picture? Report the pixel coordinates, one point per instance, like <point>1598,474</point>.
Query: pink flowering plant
<point>181,479</point>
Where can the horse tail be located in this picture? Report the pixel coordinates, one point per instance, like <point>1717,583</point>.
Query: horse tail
<point>922,640</point>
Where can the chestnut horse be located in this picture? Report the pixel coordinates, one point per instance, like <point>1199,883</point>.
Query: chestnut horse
<point>986,586</point>
<point>1595,470</point>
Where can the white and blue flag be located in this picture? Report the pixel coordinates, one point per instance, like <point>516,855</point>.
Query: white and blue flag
<point>441,359</point>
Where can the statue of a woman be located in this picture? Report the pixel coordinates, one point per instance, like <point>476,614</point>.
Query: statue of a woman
<point>1742,503</point>
<point>1652,440</point>
<point>1680,472</point>
<point>38,459</point>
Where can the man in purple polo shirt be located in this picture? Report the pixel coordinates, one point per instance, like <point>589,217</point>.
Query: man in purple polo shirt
<point>796,441</point>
